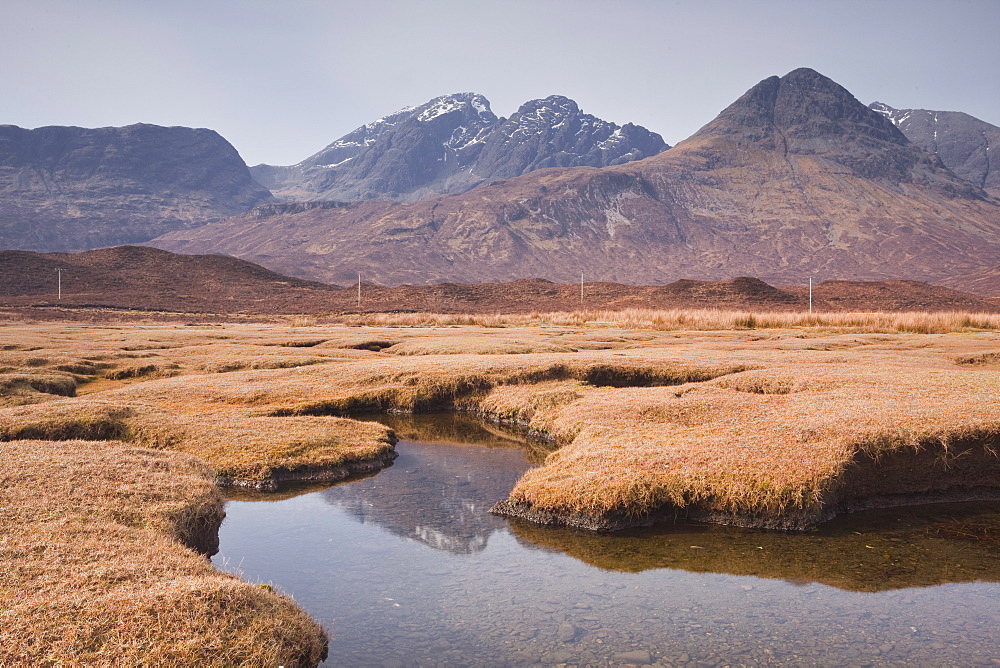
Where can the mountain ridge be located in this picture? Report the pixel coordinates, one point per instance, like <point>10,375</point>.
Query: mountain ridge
<point>963,142</point>
<point>796,178</point>
<point>452,144</point>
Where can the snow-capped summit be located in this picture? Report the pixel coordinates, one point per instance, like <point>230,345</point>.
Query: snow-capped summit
<point>453,143</point>
<point>554,132</point>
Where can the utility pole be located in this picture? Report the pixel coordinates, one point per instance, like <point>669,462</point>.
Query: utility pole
<point>359,289</point>
<point>59,272</point>
<point>810,295</point>
<point>581,288</point>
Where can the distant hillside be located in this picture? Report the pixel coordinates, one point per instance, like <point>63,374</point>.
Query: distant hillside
<point>454,143</point>
<point>68,188</point>
<point>149,279</point>
<point>965,144</point>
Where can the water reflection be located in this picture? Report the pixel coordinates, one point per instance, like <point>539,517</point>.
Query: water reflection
<point>437,494</point>
<point>452,468</point>
<point>408,568</point>
<point>461,429</point>
<point>874,551</point>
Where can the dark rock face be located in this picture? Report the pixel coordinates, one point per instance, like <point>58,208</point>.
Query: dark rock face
<point>454,143</point>
<point>67,188</point>
<point>805,113</point>
<point>806,108</point>
<point>415,152</point>
<point>554,133</point>
<point>962,142</point>
<point>797,178</point>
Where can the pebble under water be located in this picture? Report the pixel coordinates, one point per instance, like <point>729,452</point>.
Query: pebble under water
<point>408,568</point>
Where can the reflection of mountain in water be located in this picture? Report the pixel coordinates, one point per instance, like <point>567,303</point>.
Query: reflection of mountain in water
<point>873,551</point>
<point>437,493</point>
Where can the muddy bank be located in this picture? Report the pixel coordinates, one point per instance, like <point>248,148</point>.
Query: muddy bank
<point>311,474</point>
<point>959,471</point>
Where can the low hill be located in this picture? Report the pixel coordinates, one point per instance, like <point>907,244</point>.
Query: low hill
<point>148,279</point>
<point>132,277</point>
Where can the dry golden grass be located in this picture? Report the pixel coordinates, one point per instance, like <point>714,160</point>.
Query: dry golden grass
<point>473,345</point>
<point>237,447</point>
<point>699,319</point>
<point>96,566</point>
<point>770,419</point>
<point>757,447</point>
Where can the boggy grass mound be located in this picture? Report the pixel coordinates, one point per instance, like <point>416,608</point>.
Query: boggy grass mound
<point>248,451</point>
<point>34,387</point>
<point>787,454</point>
<point>97,565</point>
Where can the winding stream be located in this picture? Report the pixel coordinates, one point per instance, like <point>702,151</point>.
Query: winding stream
<point>408,568</point>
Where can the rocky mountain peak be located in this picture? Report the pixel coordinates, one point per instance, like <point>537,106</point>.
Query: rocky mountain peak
<point>802,106</point>
<point>557,106</point>
<point>470,105</point>
<point>468,110</point>
<point>807,114</point>
<point>453,143</point>
<point>554,132</point>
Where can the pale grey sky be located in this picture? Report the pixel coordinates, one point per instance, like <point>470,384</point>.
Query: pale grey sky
<point>281,79</point>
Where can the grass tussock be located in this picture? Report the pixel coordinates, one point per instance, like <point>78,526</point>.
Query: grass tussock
<point>473,345</point>
<point>992,357</point>
<point>97,551</point>
<point>60,384</point>
<point>459,381</point>
<point>774,457</point>
<point>266,446</point>
<point>126,373</point>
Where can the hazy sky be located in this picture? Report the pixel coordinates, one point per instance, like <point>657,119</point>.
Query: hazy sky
<point>281,79</point>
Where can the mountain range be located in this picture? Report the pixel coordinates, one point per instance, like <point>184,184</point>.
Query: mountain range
<point>454,143</point>
<point>796,178</point>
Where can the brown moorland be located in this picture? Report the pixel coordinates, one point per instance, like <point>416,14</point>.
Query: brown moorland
<point>145,279</point>
<point>759,419</point>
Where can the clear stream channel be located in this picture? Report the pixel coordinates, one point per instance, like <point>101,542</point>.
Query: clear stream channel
<point>408,568</point>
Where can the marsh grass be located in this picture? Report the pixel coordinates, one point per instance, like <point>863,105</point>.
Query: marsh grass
<point>239,447</point>
<point>765,453</point>
<point>701,319</point>
<point>59,384</point>
<point>776,423</point>
<point>992,357</point>
<point>97,566</point>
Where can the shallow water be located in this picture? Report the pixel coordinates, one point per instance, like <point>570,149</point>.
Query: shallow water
<point>407,567</point>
